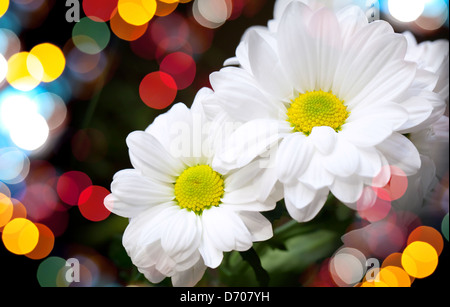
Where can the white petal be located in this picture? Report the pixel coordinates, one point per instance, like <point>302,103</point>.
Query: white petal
<point>233,61</point>
<point>143,256</point>
<point>366,132</point>
<point>354,63</point>
<point>419,111</point>
<point>240,96</point>
<point>418,114</point>
<point>423,80</point>
<point>238,196</point>
<point>344,160</point>
<point>252,183</point>
<point>258,226</point>
<point>212,256</point>
<point>116,206</point>
<point>326,32</point>
<point>279,8</point>
<point>399,151</point>
<point>152,274</point>
<point>384,115</point>
<point>153,253</point>
<point>149,156</point>
<point>154,221</point>
<point>165,265</point>
<point>245,191</point>
<point>225,230</point>
<point>141,238</point>
<point>430,54</point>
<point>299,195</point>
<point>296,47</point>
<point>360,67</point>
<point>391,82</point>
<point>370,162</point>
<point>266,67</point>
<point>323,138</point>
<point>182,132</point>
<point>199,100</point>
<point>143,223</point>
<point>369,125</point>
<point>241,177</point>
<point>309,211</point>
<point>181,236</point>
<point>442,86</point>
<point>260,206</point>
<point>294,154</point>
<point>190,277</point>
<point>133,188</point>
<point>161,127</point>
<point>316,175</point>
<point>351,19</point>
<point>242,49</point>
<point>246,143</point>
<point>347,190</point>
<point>388,113</point>
<point>266,182</point>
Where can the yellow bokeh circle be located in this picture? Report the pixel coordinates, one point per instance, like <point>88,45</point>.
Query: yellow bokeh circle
<point>394,276</point>
<point>4,4</point>
<point>6,209</point>
<point>136,12</point>
<point>20,236</point>
<point>25,71</point>
<point>52,60</point>
<point>419,259</point>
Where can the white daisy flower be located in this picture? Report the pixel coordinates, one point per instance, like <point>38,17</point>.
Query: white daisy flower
<point>340,94</point>
<point>183,212</point>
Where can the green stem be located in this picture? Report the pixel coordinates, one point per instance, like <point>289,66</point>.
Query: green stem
<point>255,262</point>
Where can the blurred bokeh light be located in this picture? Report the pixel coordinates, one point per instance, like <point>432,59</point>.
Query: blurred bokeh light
<point>70,92</point>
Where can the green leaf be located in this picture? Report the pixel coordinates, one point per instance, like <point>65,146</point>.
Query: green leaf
<point>285,266</point>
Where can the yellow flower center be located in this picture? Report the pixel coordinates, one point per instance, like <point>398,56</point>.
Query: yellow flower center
<point>315,109</point>
<point>199,188</point>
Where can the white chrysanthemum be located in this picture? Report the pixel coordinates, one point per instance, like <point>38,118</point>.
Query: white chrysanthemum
<point>183,213</point>
<point>334,94</point>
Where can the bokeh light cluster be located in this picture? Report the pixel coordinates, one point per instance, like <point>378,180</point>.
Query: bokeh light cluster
<point>30,221</point>
<point>419,259</point>
<point>421,16</point>
<point>173,41</point>
<point>80,267</point>
<point>351,267</point>
<point>44,81</point>
<point>138,23</point>
<point>31,114</point>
